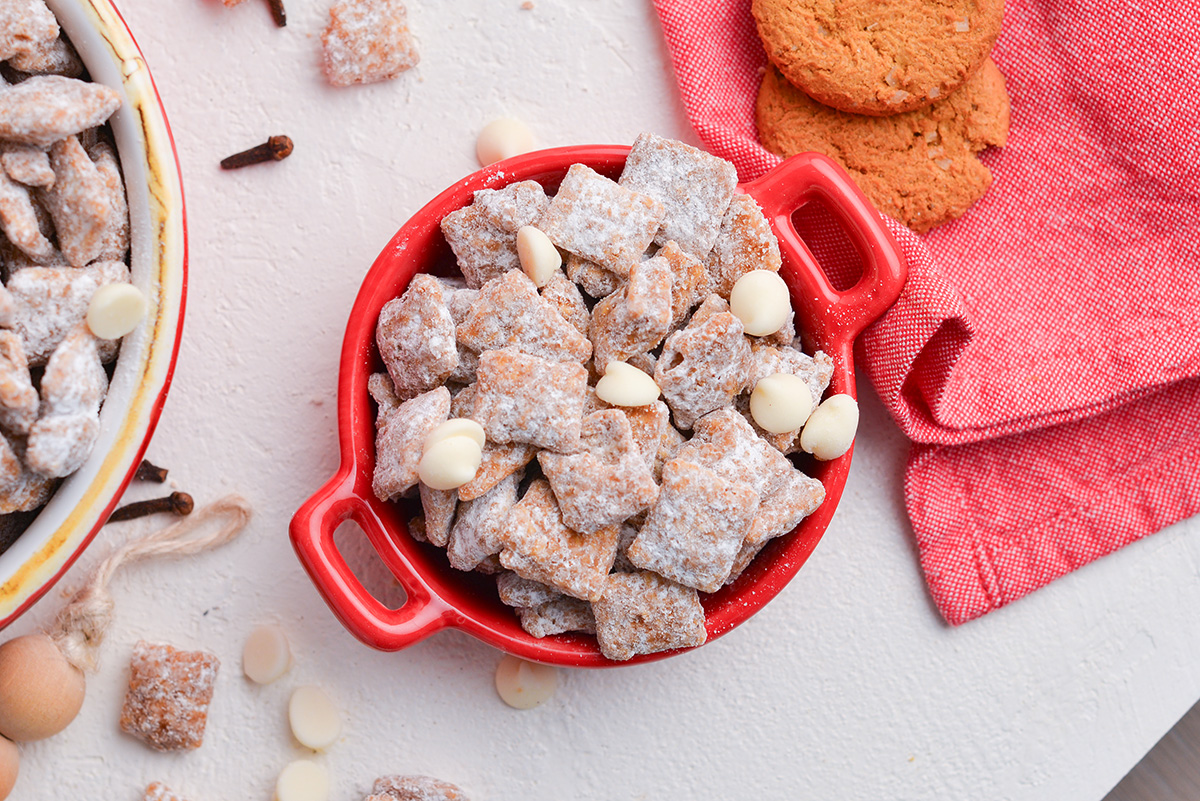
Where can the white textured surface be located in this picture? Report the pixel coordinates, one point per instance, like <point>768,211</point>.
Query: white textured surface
<point>848,686</point>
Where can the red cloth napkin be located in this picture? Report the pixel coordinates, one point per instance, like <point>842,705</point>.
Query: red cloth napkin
<point>1044,355</point>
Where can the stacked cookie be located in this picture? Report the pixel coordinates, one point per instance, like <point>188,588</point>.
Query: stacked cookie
<point>902,95</point>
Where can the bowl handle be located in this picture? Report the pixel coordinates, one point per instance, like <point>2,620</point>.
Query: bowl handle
<point>833,316</point>
<point>312,531</point>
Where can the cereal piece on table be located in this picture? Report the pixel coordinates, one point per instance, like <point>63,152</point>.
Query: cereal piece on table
<point>703,367</point>
<point>478,526</point>
<point>517,591</point>
<point>693,533</point>
<point>416,338</point>
<point>383,392</point>
<point>746,243</point>
<point>643,613</point>
<point>18,399</point>
<point>79,202</point>
<point>414,788</point>
<point>592,278</point>
<point>47,303</point>
<point>367,41</point>
<point>540,547</point>
<point>594,217</point>
<point>483,235</point>
<point>399,444</point>
<point>157,791</point>
<point>694,188</point>
<point>689,280</point>
<point>27,165</point>
<point>24,24</point>
<point>19,220</point>
<point>45,109</point>
<point>439,507</point>
<point>558,617</point>
<point>114,241</point>
<point>166,705</point>
<point>510,314</point>
<point>636,319</point>
<point>54,57</point>
<point>604,483</point>
<point>563,294</point>
<point>524,399</point>
<point>816,370</point>
<point>513,207</point>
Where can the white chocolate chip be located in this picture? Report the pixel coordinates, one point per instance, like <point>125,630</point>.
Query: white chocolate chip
<point>539,258</point>
<point>502,139</point>
<point>761,301</point>
<point>314,718</point>
<point>450,463</point>
<point>624,385</point>
<point>266,655</point>
<point>302,780</point>
<point>830,429</point>
<point>781,402</point>
<point>524,685</point>
<point>115,310</point>
<point>456,427</point>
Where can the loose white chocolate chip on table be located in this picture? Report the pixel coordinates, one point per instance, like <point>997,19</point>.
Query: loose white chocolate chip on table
<point>624,385</point>
<point>539,258</point>
<point>524,685</point>
<point>781,402</point>
<point>115,310</point>
<point>761,301</point>
<point>314,718</point>
<point>10,765</point>
<point>450,463</point>
<point>502,139</point>
<point>830,429</point>
<point>266,655</point>
<point>302,780</point>
<point>40,691</point>
<point>456,427</point>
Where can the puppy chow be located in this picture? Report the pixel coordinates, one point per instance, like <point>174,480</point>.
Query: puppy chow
<point>636,319</point>
<point>24,25</point>
<point>694,188</point>
<point>558,617</point>
<point>476,534</point>
<point>399,443</point>
<point>563,295</point>
<point>595,218</point>
<point>521,398</point>
<point>644,613</point>
<point>593,279</point>
<point>46,109</point>
<point>414,788</point>
<point>166,705</point>
<point>509,313</point>
<point>439,507</point>
<point>27,165</point>
<point>703,367</point>
<point>689,281</point>
<point>483,235</point>
<point>416,338</point>
<point>745,243</point>
<point>367,41</point>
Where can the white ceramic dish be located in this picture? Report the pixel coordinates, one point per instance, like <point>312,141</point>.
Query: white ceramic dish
<point>158,248</point>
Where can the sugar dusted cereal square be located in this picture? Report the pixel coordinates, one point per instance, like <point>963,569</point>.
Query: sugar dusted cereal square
<point>563,294</point>
<point>524,399</point>
<point>158,791</point>
<point>703,367</point>
<point>367,41</point>
<point>644,613</point>
<point>509,313</point>
<point>414,788</point>
<point>479,524</point>
<point>604,483</point>
<point>483,235</point>
<point>55,57</point>
<point>24,24</point>
<point>498,463</point>
<point>46,109</point>
<point>595,218</point>
<point>540,547</point>
<point>79,202</point>
<point>636,319</point>
<point>694,188</point>
<point>439,507</point>
<point>20,221</point>
<point>48,303</point>
<point>816,370</point>
<point>18,398</point>
<point>517,591</point>
<point>689,281</point>
<point>166,705</point>
<point>27,165</point>
<point>745,243</point>
<point>693,533</point>
<point>416,338</point>
<point>400,442</point>
<point>592,278</point>
<point>516,205</point>
<point>558,617</point>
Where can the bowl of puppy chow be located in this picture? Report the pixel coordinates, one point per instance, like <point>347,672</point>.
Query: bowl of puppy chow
<point>596,404</point>
<point>93,259</point>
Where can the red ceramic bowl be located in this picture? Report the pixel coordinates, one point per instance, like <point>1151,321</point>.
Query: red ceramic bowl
<point>441,597</point>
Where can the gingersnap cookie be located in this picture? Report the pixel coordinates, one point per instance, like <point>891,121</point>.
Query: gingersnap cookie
<point>879,58</point>
<point>919,167</point>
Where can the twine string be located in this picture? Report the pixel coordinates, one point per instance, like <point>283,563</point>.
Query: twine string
<point>80,627</point>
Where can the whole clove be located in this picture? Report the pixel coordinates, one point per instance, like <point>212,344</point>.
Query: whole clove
<point>276,148</point>
<point>179,503</point>
<point>278,13</point>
